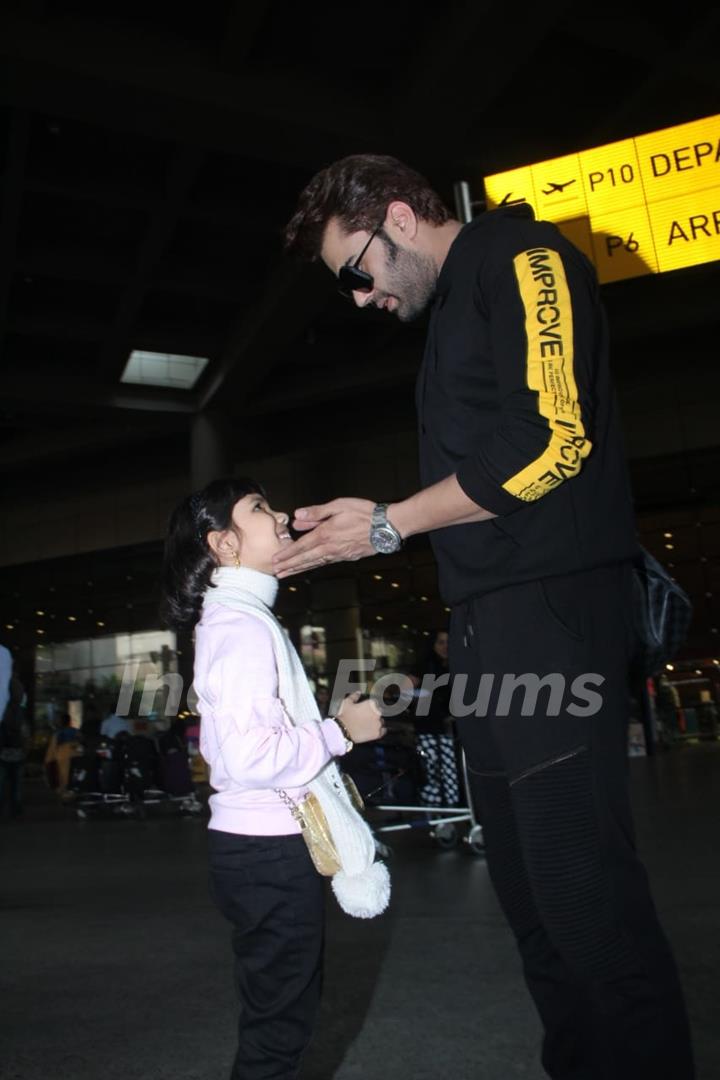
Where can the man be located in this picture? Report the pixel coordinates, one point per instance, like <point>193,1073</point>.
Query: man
<point>526,499</point>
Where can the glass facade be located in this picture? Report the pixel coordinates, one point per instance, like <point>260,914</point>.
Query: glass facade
<point>95,677</point>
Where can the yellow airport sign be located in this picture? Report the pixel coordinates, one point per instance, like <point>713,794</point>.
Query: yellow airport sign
<point>637,206</point>
<point>686,229</point>
<point>623,244</point>
<point>680,159</point>
<point>613,179</point>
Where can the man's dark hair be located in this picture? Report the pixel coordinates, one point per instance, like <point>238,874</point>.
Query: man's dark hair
<point>357,191</point>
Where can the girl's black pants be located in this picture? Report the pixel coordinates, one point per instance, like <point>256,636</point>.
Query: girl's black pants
<point>269,890</point>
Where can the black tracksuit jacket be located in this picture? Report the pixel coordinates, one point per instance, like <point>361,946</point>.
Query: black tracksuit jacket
<point>514,396</point>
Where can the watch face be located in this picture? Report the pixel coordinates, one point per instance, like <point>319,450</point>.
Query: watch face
<point>385,541</point>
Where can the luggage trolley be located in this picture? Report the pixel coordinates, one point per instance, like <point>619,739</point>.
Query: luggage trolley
<point>397,767</point>
<point>125,775</point>
<point>442,821</point>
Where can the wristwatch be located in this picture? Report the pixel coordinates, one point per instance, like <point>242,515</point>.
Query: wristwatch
<point>349,744</point>
<point>384,537</point>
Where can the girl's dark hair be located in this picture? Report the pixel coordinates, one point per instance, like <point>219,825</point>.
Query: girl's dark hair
<point>188,561</point>
<point>357,191</point>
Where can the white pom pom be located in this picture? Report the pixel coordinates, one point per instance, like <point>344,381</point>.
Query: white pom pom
<point>363,895</point>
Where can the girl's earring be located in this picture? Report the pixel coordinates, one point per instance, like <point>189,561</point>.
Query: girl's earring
<point>236,557</point>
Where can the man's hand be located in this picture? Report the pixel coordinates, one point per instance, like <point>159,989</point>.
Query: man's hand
<point>339,531</point>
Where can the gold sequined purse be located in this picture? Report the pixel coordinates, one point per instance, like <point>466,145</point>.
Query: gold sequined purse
<point>313,823</point>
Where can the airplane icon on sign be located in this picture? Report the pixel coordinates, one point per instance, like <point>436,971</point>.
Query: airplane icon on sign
<point>558,187</point>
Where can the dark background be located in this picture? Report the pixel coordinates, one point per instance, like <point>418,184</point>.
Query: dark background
<point>151,154</point>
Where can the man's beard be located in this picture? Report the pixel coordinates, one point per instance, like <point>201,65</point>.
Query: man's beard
<point>411,277</point>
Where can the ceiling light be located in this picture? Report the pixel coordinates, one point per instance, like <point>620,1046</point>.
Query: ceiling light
<point>670,667</point>
<point>101,624</point>
<point>9,626</point>
<point>406,627</point>
<point>394,585</point>
<point>170,370</point>
<point>670,547</point>
<point>377,577</point>
<point>39,612</point>
<point>72,618</point>
<point>379,618</point>
<point>423,597</point>
<point>668,536</point>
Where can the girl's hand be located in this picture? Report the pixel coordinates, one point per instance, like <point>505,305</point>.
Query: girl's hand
<point>362,719</point>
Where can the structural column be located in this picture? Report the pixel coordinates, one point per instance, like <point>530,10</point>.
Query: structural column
<point>210,448</point>
<point>336,607</point>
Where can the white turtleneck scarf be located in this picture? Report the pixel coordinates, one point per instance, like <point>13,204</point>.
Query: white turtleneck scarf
<point>362,886</point>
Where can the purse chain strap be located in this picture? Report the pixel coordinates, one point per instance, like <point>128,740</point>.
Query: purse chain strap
<point>294,808</point>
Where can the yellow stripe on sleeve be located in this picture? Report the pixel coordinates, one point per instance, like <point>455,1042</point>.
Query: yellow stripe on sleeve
<point>550,372</point>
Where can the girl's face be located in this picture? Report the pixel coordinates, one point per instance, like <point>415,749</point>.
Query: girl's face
<point>258,533</point>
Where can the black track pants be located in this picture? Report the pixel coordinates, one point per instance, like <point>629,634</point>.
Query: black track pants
<point>551,792</point>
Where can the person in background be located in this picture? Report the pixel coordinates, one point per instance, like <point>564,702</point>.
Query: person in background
<point>434,736</point>
<point>322,696</point>
<point>6,665</point>
<point>13,741</point>
<point>63,746</point>
<point>113,724</point>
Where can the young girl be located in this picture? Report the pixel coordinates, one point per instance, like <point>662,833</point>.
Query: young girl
<point>266,746</point>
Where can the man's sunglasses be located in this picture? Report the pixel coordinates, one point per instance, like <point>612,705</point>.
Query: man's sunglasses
<point>351,278</point>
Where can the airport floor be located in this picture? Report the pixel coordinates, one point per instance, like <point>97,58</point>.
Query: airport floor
<point>116,967</point>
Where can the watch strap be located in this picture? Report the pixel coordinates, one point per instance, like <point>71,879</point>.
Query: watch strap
<point>379,515</point>
<point>380,520</point>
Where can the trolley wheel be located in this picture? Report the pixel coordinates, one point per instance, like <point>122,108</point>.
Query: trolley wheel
<point>445,835</point>
<point>475,840</point>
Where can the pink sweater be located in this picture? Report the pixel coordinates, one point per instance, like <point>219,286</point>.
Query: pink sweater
<point>246,737</point>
